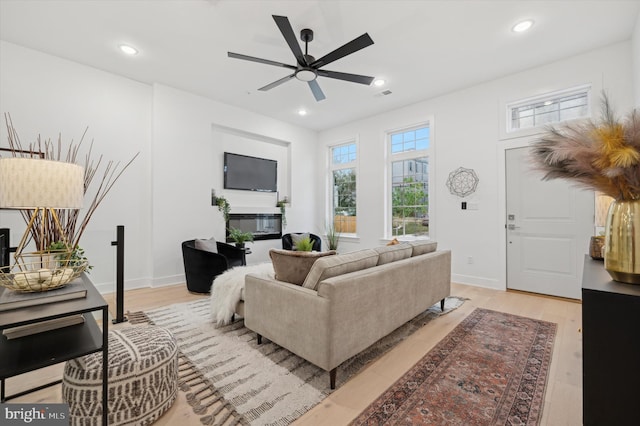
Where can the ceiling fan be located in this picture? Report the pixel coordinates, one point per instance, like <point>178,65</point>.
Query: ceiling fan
<point>307,67</point>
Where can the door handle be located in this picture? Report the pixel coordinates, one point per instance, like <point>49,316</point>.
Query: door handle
<point>512,227</point>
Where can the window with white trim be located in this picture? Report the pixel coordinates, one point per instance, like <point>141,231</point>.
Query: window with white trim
<point>342,181</point>
<point>409,171</point>
<point>550,108</point>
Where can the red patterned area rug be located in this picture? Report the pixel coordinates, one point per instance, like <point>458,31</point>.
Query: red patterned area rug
<point>490,370</point>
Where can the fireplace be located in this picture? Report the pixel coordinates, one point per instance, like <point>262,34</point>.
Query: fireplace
<point>263,226</point>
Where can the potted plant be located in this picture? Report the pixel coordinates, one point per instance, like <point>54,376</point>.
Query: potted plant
<point>304,244</point>
<point>240,237</point>
<point>333,237</point>
<point>223,206</point>
<point>282,204</point>
<point>77,256</point>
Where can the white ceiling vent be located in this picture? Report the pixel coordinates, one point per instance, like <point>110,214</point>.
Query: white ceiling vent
<point>383,93</point>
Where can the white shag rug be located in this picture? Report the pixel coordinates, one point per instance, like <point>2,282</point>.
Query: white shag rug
<point>227,287</point>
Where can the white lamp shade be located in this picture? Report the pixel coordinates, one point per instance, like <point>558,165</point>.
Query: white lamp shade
<point>29,183</point>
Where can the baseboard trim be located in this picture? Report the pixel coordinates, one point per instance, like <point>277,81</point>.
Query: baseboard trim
<point>110,287</point>
<point>167,281</point>
<point>476,281</point>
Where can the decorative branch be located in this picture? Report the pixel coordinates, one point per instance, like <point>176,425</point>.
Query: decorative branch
<point>72,223</point>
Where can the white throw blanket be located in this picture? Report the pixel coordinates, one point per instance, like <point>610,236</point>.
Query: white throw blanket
<point>226,290</point>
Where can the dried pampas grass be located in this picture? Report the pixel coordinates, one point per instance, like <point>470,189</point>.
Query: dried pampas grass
<point>72,224</point>
<point>603,155</point>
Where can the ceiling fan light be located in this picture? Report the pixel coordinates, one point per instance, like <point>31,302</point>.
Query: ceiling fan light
<point>306,75</point>
<point>302,112</point>
<point>379,82</point>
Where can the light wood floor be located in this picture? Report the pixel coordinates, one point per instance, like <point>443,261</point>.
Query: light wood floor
<point>563,398</point>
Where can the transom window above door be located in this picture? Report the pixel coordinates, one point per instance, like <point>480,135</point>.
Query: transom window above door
<point>550,108</point>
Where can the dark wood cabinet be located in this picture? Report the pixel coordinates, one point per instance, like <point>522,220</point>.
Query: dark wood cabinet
<point>610,348</point>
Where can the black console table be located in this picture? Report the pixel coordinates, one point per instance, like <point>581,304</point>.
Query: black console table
<point>610,348</point>
<point>33,352</point>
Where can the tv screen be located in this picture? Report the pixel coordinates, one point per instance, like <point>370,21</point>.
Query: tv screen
<point>250,173</point>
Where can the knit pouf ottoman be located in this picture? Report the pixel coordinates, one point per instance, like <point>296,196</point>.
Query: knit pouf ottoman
<point>143,379</point>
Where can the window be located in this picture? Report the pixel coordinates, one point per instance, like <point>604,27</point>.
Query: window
<point>343,187</point>
<point>550,108</point>
<point>409,170</point>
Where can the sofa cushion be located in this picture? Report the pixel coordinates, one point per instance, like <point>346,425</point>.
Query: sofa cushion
<point>423,247</point>
<point>388,254</point>
<point>209,245</point>
<point>338,265</point>
<point>293,266</point>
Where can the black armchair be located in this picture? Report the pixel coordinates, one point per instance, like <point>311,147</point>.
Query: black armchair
<point>201,266</point>
<point>287,242</point>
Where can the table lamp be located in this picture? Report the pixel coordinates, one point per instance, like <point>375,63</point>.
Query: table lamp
<point>41,186</point>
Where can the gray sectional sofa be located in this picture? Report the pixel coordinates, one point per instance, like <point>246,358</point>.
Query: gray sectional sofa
<point>347,301</point>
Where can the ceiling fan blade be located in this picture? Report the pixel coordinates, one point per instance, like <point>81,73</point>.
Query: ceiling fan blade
<point>317,91</point>
<point>277,83</point>
<point>285,28</point>
<point>353,46</point>
<point>260,60</point>
<point>355,78</point>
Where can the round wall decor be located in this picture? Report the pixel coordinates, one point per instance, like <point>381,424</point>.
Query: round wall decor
<point>462,182</point>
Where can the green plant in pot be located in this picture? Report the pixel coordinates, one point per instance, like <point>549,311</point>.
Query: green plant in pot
<point>333,237</point>
<point>282,204</point>
<point>304,244</point>
<point>240,237</point>
<point>223,206</point>
<point>77,257</point>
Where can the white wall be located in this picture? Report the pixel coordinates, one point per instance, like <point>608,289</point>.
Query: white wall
<point>467,132</point>
<point>635,42</point>
<point>164,198</point>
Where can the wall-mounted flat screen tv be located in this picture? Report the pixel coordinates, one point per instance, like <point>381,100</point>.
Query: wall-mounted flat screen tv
<point>250,173</point>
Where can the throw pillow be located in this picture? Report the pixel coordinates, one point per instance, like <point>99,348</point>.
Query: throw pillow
<point>209,245</point>
<point>293,266</point>
<point>423,247</point>
<point>339,265</point>
<point>295,239</point>
<point>388,254</point>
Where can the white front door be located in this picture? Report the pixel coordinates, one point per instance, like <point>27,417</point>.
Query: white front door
<point>549,224</point>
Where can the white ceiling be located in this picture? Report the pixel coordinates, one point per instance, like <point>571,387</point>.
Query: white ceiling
<point>422,48</point>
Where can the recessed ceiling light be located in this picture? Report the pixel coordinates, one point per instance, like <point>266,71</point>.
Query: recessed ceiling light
<point>522,26</point>
<point>302,111</point>
<point>379,82</point>
<point>125,48</point>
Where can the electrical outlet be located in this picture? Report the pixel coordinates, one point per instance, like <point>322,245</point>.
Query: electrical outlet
<point>470,260</point>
